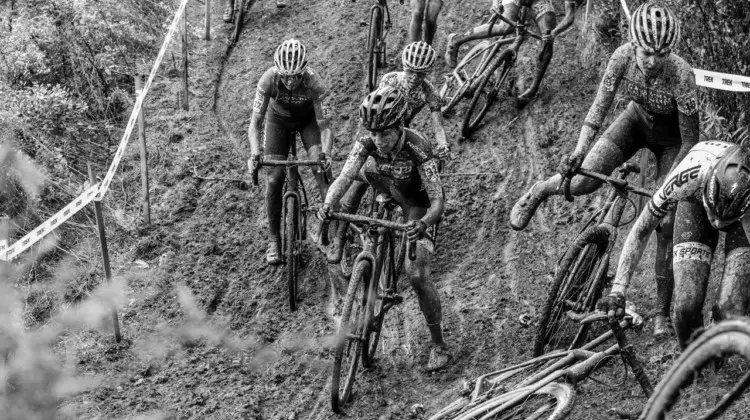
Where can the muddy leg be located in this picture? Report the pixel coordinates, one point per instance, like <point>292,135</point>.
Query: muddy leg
<point>734,294</point>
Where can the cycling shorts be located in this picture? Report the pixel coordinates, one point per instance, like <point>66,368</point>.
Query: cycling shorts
<point>696,239</point>
<point>406,192</point>
<point>538,8</point>
<point>280,130</point>
<point>634,129</point>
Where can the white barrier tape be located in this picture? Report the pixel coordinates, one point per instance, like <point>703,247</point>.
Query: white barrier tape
<point>139,102</point>
<point>722,81</point>
<point>21,245</point>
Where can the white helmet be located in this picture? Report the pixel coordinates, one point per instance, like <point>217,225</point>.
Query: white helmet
<point>654,27</point>
<point>418,56</point>
<point>290,58</point>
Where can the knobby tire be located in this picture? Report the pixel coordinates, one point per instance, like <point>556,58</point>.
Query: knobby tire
<point>349,348</point>
<point>573,281</point>
<point>373,50</point>
<point>374,314</point>
<point>726,338</point>
<point>291,233</point>
<point>486,92</point>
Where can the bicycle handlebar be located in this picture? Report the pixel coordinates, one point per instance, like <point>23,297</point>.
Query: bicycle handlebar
<point>496,16</point>
<point>596,316</point>
<point>288,162</point>
<point>619,183</point>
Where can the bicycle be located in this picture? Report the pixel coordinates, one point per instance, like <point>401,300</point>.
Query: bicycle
<point>544,387</point>
<point>372,291</point>
<point>581,272</point>
<point>294,213</point>
<point>376,43</point>
<point>680,395</point>
<point>476,75</point>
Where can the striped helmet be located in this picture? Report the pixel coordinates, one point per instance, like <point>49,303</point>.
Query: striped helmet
<point>382,109</point>
<point>290,58</point>
<point>654,27</point>
<point>726,192</point>
<point>418,56</point>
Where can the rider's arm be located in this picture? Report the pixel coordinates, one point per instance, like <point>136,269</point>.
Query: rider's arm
<point>428,171</point>
<point>260,105</point>
<point>433,101</point>
<point>570,16</point>
<point>605,95</point>
<point>325,129</point>
<point>354,163</point>
<point>633,249</point>
<point>746,224</point>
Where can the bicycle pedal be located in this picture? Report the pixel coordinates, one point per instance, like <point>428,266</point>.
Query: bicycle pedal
<point>394,299</point>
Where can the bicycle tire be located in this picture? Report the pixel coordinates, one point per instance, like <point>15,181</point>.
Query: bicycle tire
<point>239,17</point>
<point>572,282</point>
<point>552,401</point>
<point>488,88</point>
<point>373,49</point>
<point>349,348</point>
<point>460,89</point>
<point>291,234</point>
<point>731,337</point>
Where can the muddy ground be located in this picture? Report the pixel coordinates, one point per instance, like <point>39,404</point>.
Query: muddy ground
<point>236,351</point>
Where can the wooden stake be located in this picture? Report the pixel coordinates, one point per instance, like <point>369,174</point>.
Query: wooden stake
<point>185,104</point>
<point>207,35</point>
<point>146,200</point>
<point>105,252</point>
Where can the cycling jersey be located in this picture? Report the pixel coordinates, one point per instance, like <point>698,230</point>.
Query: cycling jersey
<point>409,174</point>
<point>673,91</point>
<point>416,97</point>
<point>285,103</point>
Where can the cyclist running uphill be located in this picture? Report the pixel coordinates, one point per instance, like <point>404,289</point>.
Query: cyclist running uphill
<point>542,11</point>
<point>289,98</point>
<point>400,162</point>
<point>418,58</point>
<point>424,16</point>
<point>662,116</point>
<point>711,191</point>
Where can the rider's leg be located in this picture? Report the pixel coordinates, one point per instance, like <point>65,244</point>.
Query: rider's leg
<point>500,28</point>
<point>430,21</point>
<point>618,144</point>
<point>546,23</point>
<point>695,241</point>
<point>417,19</point>
<point>277,142</point>
<point>734,294</point>
<point>310,134</point>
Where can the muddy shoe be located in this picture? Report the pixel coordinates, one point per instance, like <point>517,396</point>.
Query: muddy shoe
<point>663,327</point>
<point>228,13</point>
<point>273,255</point>
<point>336,250</point>
<point>526,206</point>
<point>280,4</point>
<point>451,52</point>
<point>440,357</point>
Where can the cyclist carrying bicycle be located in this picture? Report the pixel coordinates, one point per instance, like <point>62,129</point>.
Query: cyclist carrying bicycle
<point>542,11</point>
<point>418,58</point>
<point>711,191</point>
<point>424,16</point>
<point>289,98</point>
<point>662,116</point>
<point>400,162</point>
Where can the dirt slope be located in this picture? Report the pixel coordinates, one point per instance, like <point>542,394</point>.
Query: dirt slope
<point>237,352</point>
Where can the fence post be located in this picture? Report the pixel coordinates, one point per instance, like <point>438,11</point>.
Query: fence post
<point>105,251</point>
<point>185,104</point>
<point>207,35</point>
<point>146,200</point>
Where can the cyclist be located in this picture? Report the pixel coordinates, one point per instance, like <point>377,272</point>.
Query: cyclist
<point>711,191</point>
<point>662,116</point>
<point>229,8</point>
<point>288,98</point>
<point>424,15</point>
<point>400,162</point>
<point>418,58</point>
<point>542,11</point>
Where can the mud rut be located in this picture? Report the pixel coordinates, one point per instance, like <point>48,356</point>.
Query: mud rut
<point>214,240</point>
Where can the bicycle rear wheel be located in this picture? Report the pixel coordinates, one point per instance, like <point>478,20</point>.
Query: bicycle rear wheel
<point>373,47</point>
<point>486,92</point>
<point>577,286</point>
<point>680,395</point>
<point>468,70</point>
<point>292,248</point>
<point>239,17</point>
<point>351,328</point>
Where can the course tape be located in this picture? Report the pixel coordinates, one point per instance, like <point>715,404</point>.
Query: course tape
<point>97,191</point>
<point>8,253</point>
<point>722,81</point>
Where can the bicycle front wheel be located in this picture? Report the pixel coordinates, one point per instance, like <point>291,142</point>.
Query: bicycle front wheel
<point>577,286</point>
<point>691,389</point>
<point>457,83</point>
<point>373,47</point>
<point>551,402</point>
<point>486,92</point>
<point>291,251</point>
<point>351,329</point>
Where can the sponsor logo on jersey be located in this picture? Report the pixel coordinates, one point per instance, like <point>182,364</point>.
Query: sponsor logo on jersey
<point>258,101</point>
<point>677,181</point>
<point>692,251</point>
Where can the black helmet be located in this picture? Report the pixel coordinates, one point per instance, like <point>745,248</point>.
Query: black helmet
<point>726,191</point>
<point>382,108</point>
